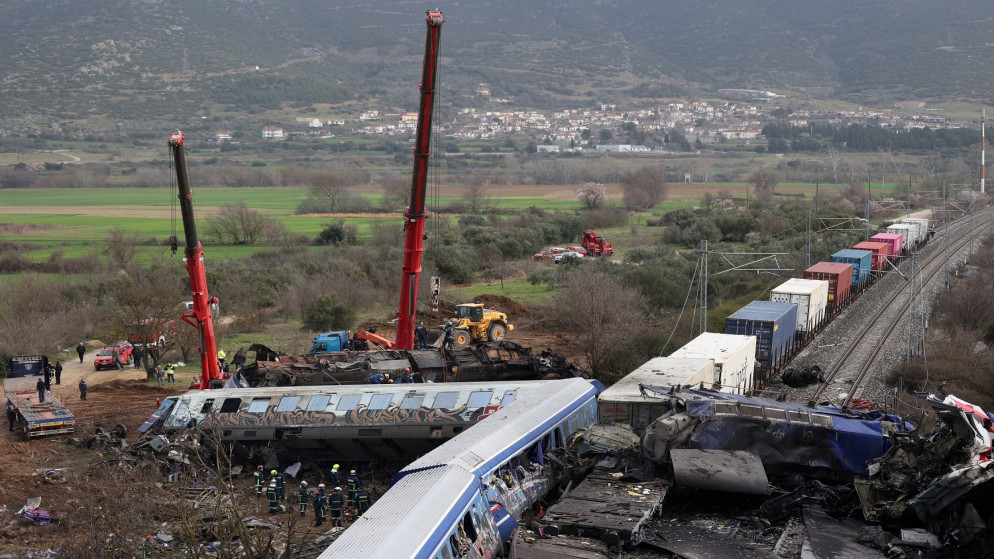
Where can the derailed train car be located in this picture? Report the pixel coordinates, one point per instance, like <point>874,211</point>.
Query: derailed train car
<point>494,361</point>
<point>365,422</point>
<point>816,441</point>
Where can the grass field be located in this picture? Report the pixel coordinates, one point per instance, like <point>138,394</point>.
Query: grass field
<point>76,221</point>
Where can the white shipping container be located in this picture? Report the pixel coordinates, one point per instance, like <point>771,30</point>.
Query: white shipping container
<point>734,359</point>
<point>905,230</point>
<point>920,227</point>
<point>624,401</point>
<point>811,298</point>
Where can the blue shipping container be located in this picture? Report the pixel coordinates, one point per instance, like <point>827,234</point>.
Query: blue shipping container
<point>772,323</point>
<point>862,262</point>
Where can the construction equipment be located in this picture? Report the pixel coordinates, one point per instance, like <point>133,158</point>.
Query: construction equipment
<point>478,324</point>
<point>201,317</point>
<point>414,215</point>
<point>595,244</point>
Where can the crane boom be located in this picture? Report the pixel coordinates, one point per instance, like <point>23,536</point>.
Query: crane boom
<point>414,216</point>
<point>201,316</point>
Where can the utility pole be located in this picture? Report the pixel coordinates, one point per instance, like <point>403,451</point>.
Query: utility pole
<point>703,294</point>
<point>807,249</point>
<point>911,303</point>
<point>945,235</point>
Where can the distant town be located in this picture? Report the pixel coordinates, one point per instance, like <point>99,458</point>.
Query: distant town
<point>611,128</point>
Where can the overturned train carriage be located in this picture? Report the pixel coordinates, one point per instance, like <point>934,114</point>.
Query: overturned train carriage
<point>493,361</point>
<point>365,422</point>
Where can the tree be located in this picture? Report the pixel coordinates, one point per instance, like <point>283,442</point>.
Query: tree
<point>644,188</point>
<point>338,233</point>
<point>237,222</point>
<point>475,193</point>
<point>396,191</point>
<point>121,247</point>
<point>604,135</point>
<point>602,317</point>
<point>146,304</point>
<point>592,195</point>
<point>328,312</point>
<point>331,190</point>
<point>765,183</point>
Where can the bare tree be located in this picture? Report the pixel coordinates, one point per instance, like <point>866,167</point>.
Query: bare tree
<point>238,222</point>
<point>475,193</point>
<point>146,309</point>
<point>153,177</point>
<point>121,247</point>
<point>644,188</point>
<point>765,183</point>
<point>396,191</point>
<point>600,316</point>
<point>834,161</point>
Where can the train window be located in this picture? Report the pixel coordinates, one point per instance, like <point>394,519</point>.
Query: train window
<point>288,403</point>
<point>507,399</point>
<point>572,423</point>
<point>445,400</point>
<point>777,414</point>
<point>752,411</point>
<point>412,402</point>
<point>468,527</point>
<point>800,416</point>
<point>259,405</point>
<point>318,403</point>
<point>230,405</point>
<point>380,401</point>
<point>445,552</point>
<point>207,406</point>
<point>348,402</point>
<point>479,399</point>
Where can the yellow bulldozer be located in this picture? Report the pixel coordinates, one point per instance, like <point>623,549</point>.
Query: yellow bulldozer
<point>477,324</point>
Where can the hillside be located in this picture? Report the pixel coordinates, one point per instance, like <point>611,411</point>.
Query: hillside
<point>185,59</point>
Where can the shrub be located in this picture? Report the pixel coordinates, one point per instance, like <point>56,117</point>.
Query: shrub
<point>327,312</point>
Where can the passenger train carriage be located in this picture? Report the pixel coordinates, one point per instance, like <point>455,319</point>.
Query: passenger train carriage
<point>463,499</point>
<point>365,422</point>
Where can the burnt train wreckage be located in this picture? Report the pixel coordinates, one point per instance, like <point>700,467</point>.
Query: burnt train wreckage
<point>492,361</point>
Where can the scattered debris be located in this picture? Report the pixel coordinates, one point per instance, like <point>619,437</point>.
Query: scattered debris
<point>799,378</point>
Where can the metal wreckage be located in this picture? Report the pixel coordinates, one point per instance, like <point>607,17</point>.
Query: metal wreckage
<point>491,361</point>
<point>866,483</point>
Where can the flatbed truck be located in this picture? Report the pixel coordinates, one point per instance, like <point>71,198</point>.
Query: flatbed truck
<point>35,418</point>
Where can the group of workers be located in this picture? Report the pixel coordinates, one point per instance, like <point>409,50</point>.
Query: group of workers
<point>384,378</point>
<point>335,505</point>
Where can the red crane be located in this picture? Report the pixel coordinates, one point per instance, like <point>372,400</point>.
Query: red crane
<point>414,216</point>
<point>201,316</point>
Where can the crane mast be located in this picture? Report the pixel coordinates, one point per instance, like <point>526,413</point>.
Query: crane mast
<point>414,216</point>
<point>201,316</point>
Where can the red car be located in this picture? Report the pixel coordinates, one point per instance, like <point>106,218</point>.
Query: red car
<point>105,358</point>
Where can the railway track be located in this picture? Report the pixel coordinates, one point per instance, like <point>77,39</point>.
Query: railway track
<point>872,334</point>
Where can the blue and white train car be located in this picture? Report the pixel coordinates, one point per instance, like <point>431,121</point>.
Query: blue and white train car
<point>346,420</point>
<point>463,498</point>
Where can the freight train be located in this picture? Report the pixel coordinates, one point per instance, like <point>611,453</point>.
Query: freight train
<point>762,336</point>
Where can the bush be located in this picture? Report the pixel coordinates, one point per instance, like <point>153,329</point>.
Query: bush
<point>327,312</point>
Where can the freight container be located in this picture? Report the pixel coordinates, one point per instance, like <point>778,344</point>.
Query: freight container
<point>772,323</point>
<point>734,359</point>
<point>832,272</point>
<point>896,242</point>
<point>921,225</point>
<point>861,260</point>
<point>626,402</point>
<point>905,230</point>
<point>880,252</point>
<point>810,297</point>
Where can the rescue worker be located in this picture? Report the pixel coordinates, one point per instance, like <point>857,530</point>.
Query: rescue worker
<point>260,481</point>
<point>354,485</point>
<point>58,372</point>
<point>274,501</point>
<point>406,377</point>
<point>304,497</point>
<point>80,350</point>
<point>40,386</point>
<point>280,483</point>
<point>363,501</point>
<point>11,415</point>
<point>336,504</point>
<point>320,504</point>
<point>82,389</point>
<point>220,359</point>
<point>421,332</point>
<point>170,373</point>
<point>334,477</point>
<point>377,378</point>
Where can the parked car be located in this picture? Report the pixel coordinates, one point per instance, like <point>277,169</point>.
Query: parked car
<point>568,254</point>
<point>105,357</point>
<point>549,253</point>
